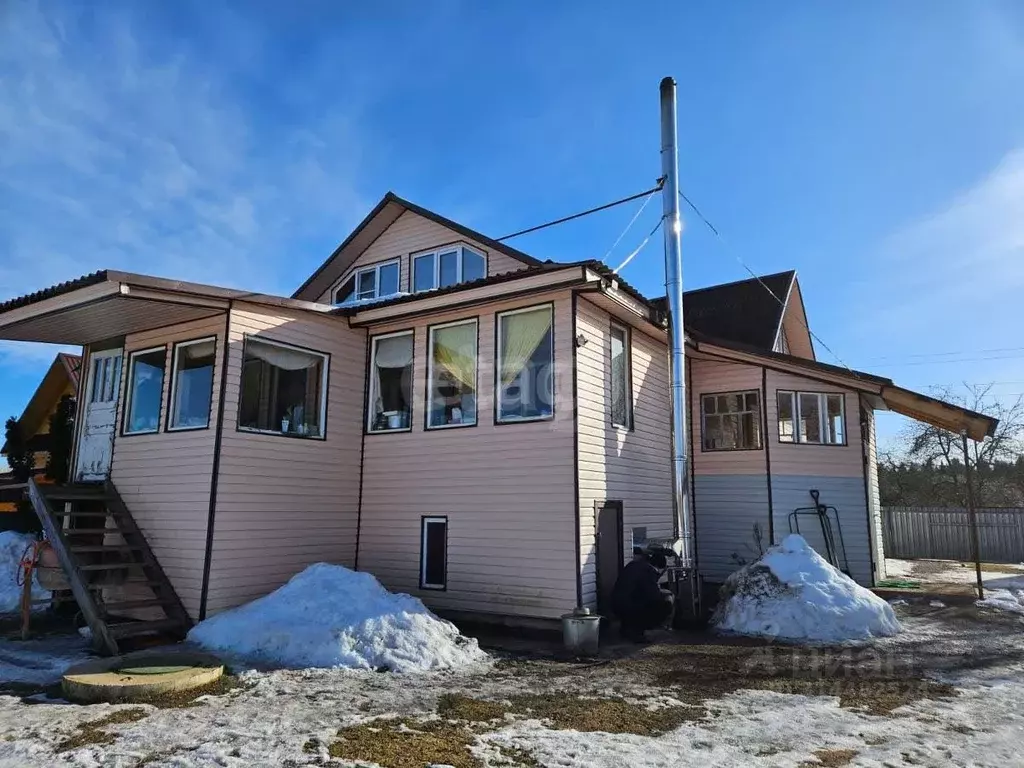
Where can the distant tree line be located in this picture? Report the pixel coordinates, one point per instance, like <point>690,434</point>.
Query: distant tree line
<point>928,466</point>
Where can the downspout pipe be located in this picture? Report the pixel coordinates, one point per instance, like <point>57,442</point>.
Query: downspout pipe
<point>673,228</point>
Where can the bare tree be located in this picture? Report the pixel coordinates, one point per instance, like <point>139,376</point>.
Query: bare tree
<point>943,451</point>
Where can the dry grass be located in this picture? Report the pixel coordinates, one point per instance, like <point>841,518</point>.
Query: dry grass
<point>455,706</point>
<point>402,743</point>
<point>92,732</point>
<point>832,758</point>
<point>608,715</point>
<point>855,677</point>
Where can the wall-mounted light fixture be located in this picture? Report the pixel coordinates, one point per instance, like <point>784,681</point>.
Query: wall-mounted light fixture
<point>581,340</point>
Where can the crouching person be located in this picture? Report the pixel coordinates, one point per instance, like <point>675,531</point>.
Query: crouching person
<point>639,603</point>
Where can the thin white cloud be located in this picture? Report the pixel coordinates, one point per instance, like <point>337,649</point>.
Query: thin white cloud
<point>121,150</point>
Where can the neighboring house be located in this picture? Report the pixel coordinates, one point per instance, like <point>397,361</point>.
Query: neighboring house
<point>60,380</point>
<point>457,418</point>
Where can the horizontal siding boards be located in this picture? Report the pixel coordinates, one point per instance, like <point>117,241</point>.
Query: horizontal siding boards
<point>826,460</point>
<point>284,503</point>
<point>945,534</point>
<point>727,509</point>
<point>411,233</point>
<point>507,490</point>
<point>708,377</point>
<point>164,478</point>
<point>614,464</point>
<point>846,494</point>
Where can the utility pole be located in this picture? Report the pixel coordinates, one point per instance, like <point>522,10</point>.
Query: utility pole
<point>673,227</point>
<point>972,516</point>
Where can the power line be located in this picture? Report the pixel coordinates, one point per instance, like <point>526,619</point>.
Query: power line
<point>761,282</point>
<point>957,360</point>
<point>631,223</point>
<point>605,207</point>
<point>947,354</point>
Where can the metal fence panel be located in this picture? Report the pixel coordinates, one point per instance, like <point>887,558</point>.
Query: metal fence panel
<point>944,533</point>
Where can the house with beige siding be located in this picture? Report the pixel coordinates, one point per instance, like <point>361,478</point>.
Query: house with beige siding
<point>476,427</point>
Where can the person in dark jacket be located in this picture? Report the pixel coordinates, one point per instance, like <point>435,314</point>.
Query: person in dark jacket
<point>637,600</point>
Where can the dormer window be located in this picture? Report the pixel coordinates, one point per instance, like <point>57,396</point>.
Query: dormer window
<point>373,282</point>
<point>447,266</point>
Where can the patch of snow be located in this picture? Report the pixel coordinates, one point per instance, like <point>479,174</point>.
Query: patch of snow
<point>937,604</point>
<point>1003,600</point>
<point>41,661</point>
<point>793,593</point>
<point>12,548</point>
<point>898,601</point>
<point>330,616</point>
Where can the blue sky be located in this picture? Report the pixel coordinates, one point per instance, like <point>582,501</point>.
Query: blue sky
<point>876,147</point>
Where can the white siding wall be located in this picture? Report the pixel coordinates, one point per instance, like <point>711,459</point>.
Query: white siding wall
<point>616,464</point>
<point>164,478</point>
<point>284,502</point>
<point>410,234</point>
<point>507,490</point>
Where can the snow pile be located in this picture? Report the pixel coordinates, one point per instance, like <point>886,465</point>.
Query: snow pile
<point>12,547</point>
<point>1005,594</point>
<point>793,593</point>
<point>329,616</point>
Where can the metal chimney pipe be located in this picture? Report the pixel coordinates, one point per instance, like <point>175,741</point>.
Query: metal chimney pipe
<point>673,227</point>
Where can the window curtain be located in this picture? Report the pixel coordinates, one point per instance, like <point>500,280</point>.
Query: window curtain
<point>198,351</point>
<point>455,351</point>
<point>281,357</point>
<point>521,334</point>
<point>391,354</point>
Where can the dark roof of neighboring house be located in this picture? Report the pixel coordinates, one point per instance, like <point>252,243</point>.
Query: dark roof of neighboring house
<point>742,312</point>
<point>65,369</point>
<point>73,366</point>
<point>392,198</point>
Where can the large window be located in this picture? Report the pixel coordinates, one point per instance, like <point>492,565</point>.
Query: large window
<point>816,418</point>
<point>445,267</point>
<point>375,282</point>
<point>452,375</point>
<point>390,401</point>
<point>526,389</point>
<point>145,390</point>
<point>622,390</point>
<point>731,421</point>
<point>191,384</point>
<point>434,553</point>
<point>284,389</point>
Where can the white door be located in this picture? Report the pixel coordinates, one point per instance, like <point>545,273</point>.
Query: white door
<point>96,444</point>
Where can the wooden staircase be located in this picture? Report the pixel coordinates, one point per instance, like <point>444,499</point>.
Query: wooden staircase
<point>100,547</point>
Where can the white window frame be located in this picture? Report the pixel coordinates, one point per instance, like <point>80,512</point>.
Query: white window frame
<point>435,253</point>
<point>174,383</point>
<point>704,414</point>
<point>425,523</point>
<point>430,374</point>
<point>822,417</point>
<point>375,268</point>
<point>371,393</point>
<point>129,391</point>
<point>498,419</point>
<point>627,347</point>
<point>325,360</point>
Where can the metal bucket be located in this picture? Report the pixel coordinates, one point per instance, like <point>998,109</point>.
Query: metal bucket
<point>581,632</point>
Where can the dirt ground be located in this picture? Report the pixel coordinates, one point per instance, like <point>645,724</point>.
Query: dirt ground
<point>950,686</point>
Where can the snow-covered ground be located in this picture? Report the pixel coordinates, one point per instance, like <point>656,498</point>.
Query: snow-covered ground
<point>269,722</point>
<point>1004,588</point>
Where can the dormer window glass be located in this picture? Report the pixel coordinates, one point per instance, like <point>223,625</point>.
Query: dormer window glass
<point>374,282</point>
<point>447,266</point>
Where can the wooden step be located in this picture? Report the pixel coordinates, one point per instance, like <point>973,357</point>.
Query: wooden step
<point>110,566</point>
<point>131,605</point>
<point>136,628</point>
<point>89,531</point>
<point>72,493</point>
<point>105,548</point>
<point>80,513</point>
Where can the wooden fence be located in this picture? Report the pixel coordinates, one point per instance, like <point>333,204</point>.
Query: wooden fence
<point>944,533</point>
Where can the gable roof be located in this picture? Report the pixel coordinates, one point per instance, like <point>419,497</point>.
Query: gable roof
<point>742,312</point>
<point>383,215</point>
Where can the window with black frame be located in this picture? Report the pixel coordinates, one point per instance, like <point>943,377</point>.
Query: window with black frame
<point>526,390</point>
<point>731,421</point>
<point>283,390</point>
<point>390,396</point>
